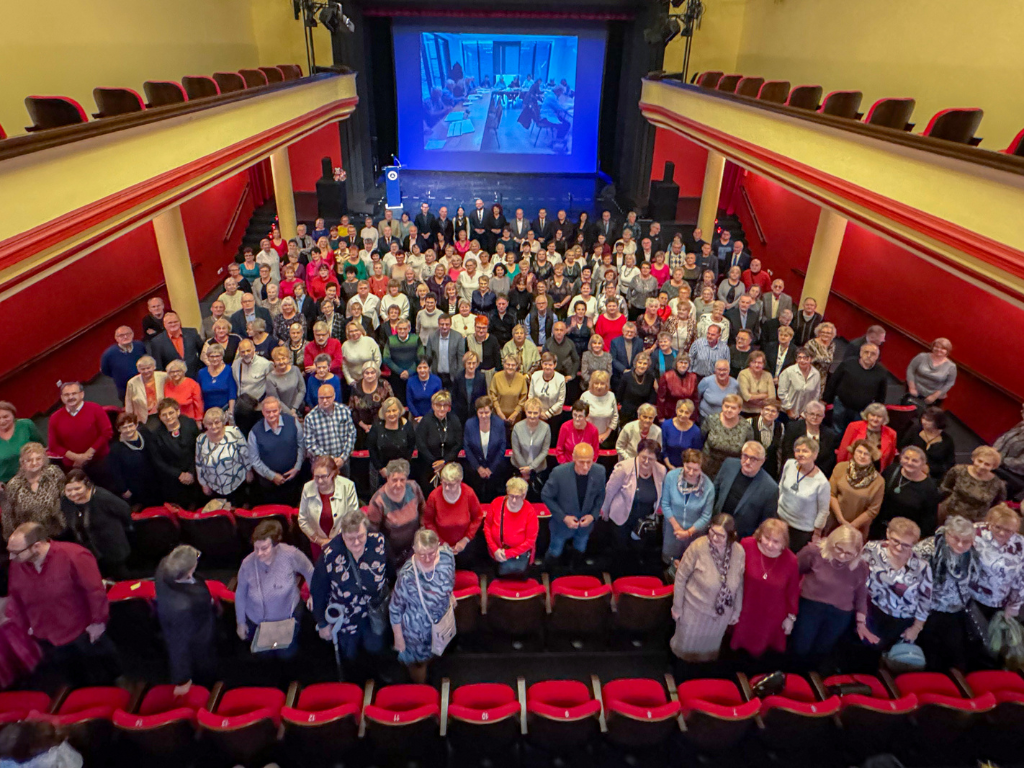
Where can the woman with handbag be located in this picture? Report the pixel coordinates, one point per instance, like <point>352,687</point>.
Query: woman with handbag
<point>631,502</point>
<point>422,607</point>
<point>350,590</point>
<point>954,621</point>
<point>268,592</point>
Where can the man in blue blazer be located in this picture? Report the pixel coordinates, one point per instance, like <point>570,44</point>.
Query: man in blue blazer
<point>247,313</point>
<point>573,494</point>
<point>623,355</point>
<point>744,490</point>
<point>734,257</point>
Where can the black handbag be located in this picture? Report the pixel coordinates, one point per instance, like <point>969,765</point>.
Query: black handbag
<point>977,623</point>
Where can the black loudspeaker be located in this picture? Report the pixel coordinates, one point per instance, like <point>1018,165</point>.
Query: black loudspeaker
<point>331,195</point>
<point>664,197</point>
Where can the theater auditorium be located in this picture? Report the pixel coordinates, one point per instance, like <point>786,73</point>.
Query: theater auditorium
<point>441,383</point>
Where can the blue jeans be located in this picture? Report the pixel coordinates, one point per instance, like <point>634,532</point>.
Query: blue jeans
<point>842,416</point>
<point>818,628</point>
<point>560,534</point>
<point>372,643</point>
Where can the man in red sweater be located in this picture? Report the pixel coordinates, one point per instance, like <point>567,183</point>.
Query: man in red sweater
<point>454,512</point>
<point>322,344</point>
<point>56,591</point>
<point>80,434</point>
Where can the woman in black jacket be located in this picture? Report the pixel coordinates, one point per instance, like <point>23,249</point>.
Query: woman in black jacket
<point>99,521</point>
<point>391,437</point>
<point>438,439</point>
<point>131,465</point>
<point>172,446</point>
<point>186,612</point>
<point>467,385</point>
<point>636,387</point>
<point>930,436</point>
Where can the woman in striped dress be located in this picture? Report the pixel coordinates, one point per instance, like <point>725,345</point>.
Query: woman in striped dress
<point>708,592</point>
<point>422,594</point>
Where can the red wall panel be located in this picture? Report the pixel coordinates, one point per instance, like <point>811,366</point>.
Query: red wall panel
<point>690,160</point>
<point>304,156</point>
<point>880,282</point>
<point>115,281</point>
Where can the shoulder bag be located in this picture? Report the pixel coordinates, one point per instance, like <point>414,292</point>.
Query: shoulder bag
<point>441,632</point>
<point>271,635</point>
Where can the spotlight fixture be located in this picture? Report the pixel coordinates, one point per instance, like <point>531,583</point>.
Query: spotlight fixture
<point>663,31</point>
<point>333,17</point>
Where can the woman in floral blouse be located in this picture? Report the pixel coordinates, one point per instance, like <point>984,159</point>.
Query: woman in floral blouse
<point>971,489</point>
<point>223,465</point>
<point>899,587</point>
<point>1000,562</point>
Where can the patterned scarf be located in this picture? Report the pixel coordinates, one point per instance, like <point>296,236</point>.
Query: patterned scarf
<point>963,569</point>
<point>860,477</point>
<point>725,597</point>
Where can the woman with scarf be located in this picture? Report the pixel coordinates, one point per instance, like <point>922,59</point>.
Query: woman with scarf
<point>822,349</point>
<point>949,631</point>
<point>857,489</point>
<point>686,504</point>
<point>708,592</point>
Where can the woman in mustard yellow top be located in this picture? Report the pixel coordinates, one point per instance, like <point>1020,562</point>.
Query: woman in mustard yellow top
<point>508,391</point>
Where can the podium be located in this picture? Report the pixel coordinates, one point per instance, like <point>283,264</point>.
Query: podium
<point>393,186</point>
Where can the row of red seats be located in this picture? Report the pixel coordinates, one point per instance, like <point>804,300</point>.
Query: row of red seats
<point>58,111</point>
<point>558,716</point>
<point>958,125</point>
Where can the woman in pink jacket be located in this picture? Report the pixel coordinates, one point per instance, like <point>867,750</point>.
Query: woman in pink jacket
<point>632,495</point>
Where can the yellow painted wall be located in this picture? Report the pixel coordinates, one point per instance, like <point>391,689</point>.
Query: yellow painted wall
<point>716,44</point>
<point>944,53</point>
<point>68,47</point>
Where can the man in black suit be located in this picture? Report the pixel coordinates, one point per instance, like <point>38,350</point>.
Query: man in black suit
<point>657,239</point>
<point>177,343</point>
<point>742,317</point>
<point>501,321</point>
<point>543,227</point>
<point>806,322</point>
<point>810,424</point>
<point>478,222</point>
<point>768,431</point>
<point>770,328</point>
<point>697,241</point>
<point>247,314</point>
<point>444,226</point>
<point>737,257</point>
<point>416,237</point>
<point>426,223</point>
<point>606,227</point>
<point>568,228</point>
<point>780,354</point>
<point>385,240</point>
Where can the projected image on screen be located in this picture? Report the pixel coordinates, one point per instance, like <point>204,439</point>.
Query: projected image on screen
<point>498,93</point>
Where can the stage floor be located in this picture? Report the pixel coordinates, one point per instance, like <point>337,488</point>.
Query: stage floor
<point>573,193</point>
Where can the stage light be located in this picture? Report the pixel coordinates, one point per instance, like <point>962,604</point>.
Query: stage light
<point>333,17</point>
<point>663,31</point>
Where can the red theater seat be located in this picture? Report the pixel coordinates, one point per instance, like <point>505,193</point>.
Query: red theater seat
<point>468,597</point>
<point>200,86</point>
<point>253,78</point>
<point>1005,722</point>
<point>161,93</point>
<point>273,74</point>
<point>638,712</point>
<point>728,83</point>
<point>945,715</point>
<point>116,101</point>
<point>3,133</point>
<point>324,720</point>
<point>156,533</point>
<point>1016,146</point>
<point>749,86</point>
<point>404,720</point>
<point>795,720</point>
<point>580,605</point>
<point>213,533</point>
<point>53,112</point>
<point>774,91</point>
<point>892,113</point>
<point>16,705</point>
<point>872,721</point>
<point>709,79</point>
<point>132,616</point>
<point>87,717</point>
<point>229,82</point>
<point>165,724</point>
<point>291,71</point>
<point>901,417</point>
<point>716,715</point>
<point>643,604</point>
<point>958,125</point>
<point>516,607</point>
<point>843,104</point>
<point>805,97</point>
<point>483,719</point>
<point>562,715</point>
<point>243,724</point>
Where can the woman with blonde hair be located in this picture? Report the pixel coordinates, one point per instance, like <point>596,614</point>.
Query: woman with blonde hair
<point>756,385</point>
<point>724,434</point>
<point>857,489</point>
<point>833,591</point>
<point>523,349</point>
<point>35,492</point>
<point>771,591</point>
<point>594,359</point>
<point>930,375</point>
<point>357,350</point>
<point>223,463</point>
<point>508,391</point>
<point>822,349</point>
<point>972,489</point>
<point>604,411</point>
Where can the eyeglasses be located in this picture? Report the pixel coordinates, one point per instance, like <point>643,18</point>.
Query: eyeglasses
<point>717,535</point>
<point>13,553</point>
<point>750,457</point>
<point>897,544</point>
<point>1002,529</point>
<point>321,477</point>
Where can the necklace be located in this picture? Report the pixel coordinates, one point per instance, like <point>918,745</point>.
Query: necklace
<point>766,571</point>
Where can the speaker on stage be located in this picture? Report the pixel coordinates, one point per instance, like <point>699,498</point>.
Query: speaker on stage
<point>664,197</point>
<point>331,193</point>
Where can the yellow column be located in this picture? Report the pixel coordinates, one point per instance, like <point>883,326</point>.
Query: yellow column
<point>283,194</point>
<point>709,196</point>
<point>821,267</point>
<point>181,285</point>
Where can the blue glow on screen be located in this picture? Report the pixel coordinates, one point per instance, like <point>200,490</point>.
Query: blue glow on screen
<point>476,100</point>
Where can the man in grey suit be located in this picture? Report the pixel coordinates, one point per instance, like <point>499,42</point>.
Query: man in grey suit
<point>574,493</point>
<point>247,314</point>
<point>744,490</point>
<point>776,301</point>
<point>444,351</point>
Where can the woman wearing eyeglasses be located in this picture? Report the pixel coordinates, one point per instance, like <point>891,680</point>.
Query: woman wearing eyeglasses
<point>1000,562</point>
<point>899,587</point>
<point>510,529</point>
<point>804,494</point>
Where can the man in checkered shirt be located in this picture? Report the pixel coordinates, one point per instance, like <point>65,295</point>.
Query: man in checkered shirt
<point>328,429</point>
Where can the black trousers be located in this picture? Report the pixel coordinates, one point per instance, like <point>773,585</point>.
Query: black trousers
<point>80,662</point>
<point>945,641</point>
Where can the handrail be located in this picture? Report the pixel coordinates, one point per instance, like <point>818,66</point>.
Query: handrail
<point>753,215</point>
<point>964,152</point>
<point>16,146</point>
<point>238,211</point>
<point>916,339</point>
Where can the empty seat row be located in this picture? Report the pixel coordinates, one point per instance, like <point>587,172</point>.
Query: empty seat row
<point>956,125</point>
<point>57,111</point>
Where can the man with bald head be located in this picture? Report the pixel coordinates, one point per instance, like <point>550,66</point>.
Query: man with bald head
<point>177,343</point>
<point>857,382</point>
<point>119,359</point>
<point>328,428</point>
<point>574,493</point>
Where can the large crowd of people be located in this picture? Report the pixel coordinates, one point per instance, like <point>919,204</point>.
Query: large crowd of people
<point>424,390</point>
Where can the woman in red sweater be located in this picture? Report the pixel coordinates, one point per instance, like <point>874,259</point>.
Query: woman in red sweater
<point>511,529</point>
<point>578,430</point>
<point>454,513</point>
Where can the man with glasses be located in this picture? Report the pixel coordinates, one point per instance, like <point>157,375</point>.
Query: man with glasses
<point>744,490</point>
<point>56,593</point>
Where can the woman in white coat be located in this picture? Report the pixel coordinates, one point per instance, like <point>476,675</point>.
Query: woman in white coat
<point>633,494</point>
<point>144,391</point>
<point>325,501</point>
